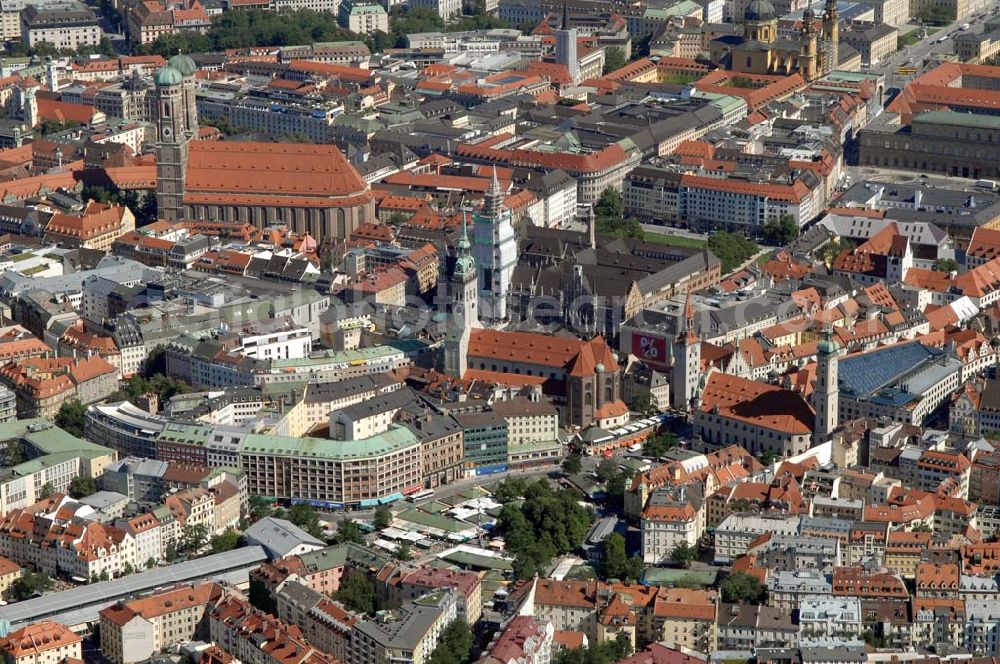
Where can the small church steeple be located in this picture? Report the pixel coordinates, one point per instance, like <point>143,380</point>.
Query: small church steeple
<point>826,394</point>
<point>464,291</point>
<point>686,351</point>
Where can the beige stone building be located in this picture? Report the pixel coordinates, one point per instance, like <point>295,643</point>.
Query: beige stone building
<point>134,631</point>
<point>44,642</point>
<point>97,227</point>
<point>193,507</point>
<point>686,619</point>
<point>874,41</point>
<point>977,48</point>
<point>9,573</point>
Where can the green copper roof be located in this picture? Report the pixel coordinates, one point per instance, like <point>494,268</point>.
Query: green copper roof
<point>168,76</point>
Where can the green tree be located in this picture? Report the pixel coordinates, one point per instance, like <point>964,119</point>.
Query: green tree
<point>597,653</point>
<point>150,563</point>
<point>403,551</point>
<point>683,555</point>
<point>945,265</point>
<point>148,211</point>
<point>660,444</point>
<point>163,386</point>
<point>357,592</point>
<point>348,531</point>
<point>49,127</point>
<point>573,464</point>
<point>454,646</point>
<point>935,15</point>
<point>14,453</point>
<point>642,402</point>
<point>104,576</point>
<point>829,252</point>
<point>606,470</point>
<point>260,596</point>
<point>378,41</point>
<point>741,588</point>
<point>72,417</point>
<point>733,250</point>
<point>383,517</point>
<point>741,82</point>
<point>767,457</point>
<point>609,204</point>
<point>171,553</point>
<point>609,213</point>
<point>46,491</point>
<point>547,523</point>
<point>227,541</point>
<point>921,528</point>
<point>617,564</point>
<point>614,59</point>
<point>30,584</point>
<point>260,508</point>
<point>619,482</point>
<point>781,231</point>
<point>305,517</point>
<point>82,486</point>
<point>127,569</point>
<point>193,537</point>
<point>510,489</point>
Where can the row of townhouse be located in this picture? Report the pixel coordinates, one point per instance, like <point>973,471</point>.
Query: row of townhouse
<point>63,537</point>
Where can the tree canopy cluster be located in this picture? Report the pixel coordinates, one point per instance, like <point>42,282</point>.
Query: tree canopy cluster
<point>454,646</point>
<point>732,249</point>
<point>243,29</point>
<point>405,21</point>
<point>608,652</point>
<point>609,213</point>
<point>660,444</point>
<point>82,486</point>
<point>683,555</point>
<point>305,517</point>
<point>164,387</point>
<point>30,584</point>
<point>357,593</point>
<point>71,417</point>
<point>741,588</point>
<point>617,563</point>
<point>781,231</point>
<point>573,463</point>
<point>45,49</point>
<point>143,207</point>
<point>227,541</point>
<point>614,59</point>
<point>547,523</point>
<point>348,532</point>
<point>615,479</point>
<point>945,265</point>
<point>935,15</point>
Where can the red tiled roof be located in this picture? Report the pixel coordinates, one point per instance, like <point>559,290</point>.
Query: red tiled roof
<point>760,404</point>
<point>271,169</point>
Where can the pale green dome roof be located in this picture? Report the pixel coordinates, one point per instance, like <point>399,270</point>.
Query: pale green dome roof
<point>168,76</point>
<point>184,64</point>
<point>760,10</point>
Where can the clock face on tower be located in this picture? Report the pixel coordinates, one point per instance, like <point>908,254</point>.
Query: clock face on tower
<point>167,132</point>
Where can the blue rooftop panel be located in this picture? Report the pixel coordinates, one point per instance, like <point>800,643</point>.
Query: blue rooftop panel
<point>866,373</point>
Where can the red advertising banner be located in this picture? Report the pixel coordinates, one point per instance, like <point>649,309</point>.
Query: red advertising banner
<point>649,348</point>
